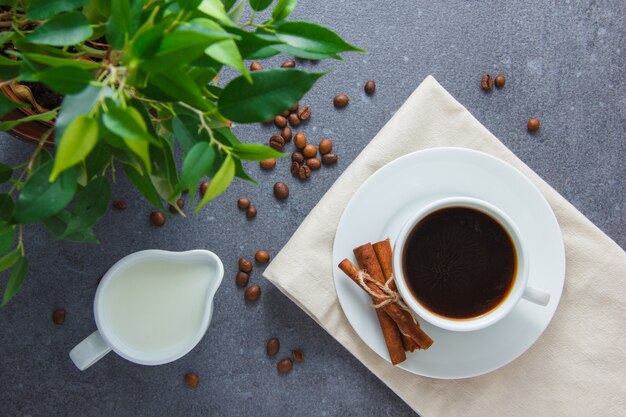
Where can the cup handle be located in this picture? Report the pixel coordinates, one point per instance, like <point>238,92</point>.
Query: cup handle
<point>89,351</point>
<point>537,296</point>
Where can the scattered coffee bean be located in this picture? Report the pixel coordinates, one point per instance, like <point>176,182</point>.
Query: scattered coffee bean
<point>262,256</point>
<point>203,187</point>
<point>325,146</point>
<point>120,204</point>
<point>304,113</point>
<point>309,151</point>
<point>245,264</point>
<point>286,133</point>
<point>280,121</point>
<point>294,108</point>
<point>500,81</point>
<point>533,125</point>
<point>58,316</point>
<point>284,366</point>
<point>294,120</point>
<point>251,212</point>
<point>285,113</point>
<point>329,158</point>
<point>299,140</point>
<point>297,355</point>
<point>243,203</point>
<point>281,191</point>
<point>157,218</point>
<point>304,172</point>
<point>191,380</point>
<point>487,82</point>
<point>341,100</point>
<point>295,168</point>
<point>290,63</point>
<point>297,157</point>
<point>242,279</point>
<point>313,163</point>
<point>180,203</point>
<point>267,164</point>
<point>277,142</point>
<point>369,87</point>
<point>252,293</point>
<point>273,346</point>
<point>256,66</point>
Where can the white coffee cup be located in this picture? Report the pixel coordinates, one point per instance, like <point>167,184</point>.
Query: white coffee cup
<point>519,290</point>
<point>152,307</point>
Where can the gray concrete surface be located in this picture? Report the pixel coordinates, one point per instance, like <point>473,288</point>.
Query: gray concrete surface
<point>564,62</point>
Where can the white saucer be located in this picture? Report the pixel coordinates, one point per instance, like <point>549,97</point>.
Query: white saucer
<point>388,198</point>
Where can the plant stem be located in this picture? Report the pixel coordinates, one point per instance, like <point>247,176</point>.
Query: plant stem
<point>20,241</point>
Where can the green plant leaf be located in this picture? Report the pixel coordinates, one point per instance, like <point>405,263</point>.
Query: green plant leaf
<point>219,183</point>
<point>215,9</point>
<point>54,61</point>
<point>63,29</point>
<point>255,152</point>
<point>144,185</point>
<point>226,136</point>
<point>76,104</point>
<point>43,9</point>
<point>164,176</point>
<point>6,36</point>
<point>265,52</point>
<point>311,39</point>
<point>89,206</point>
<point>57,225</point>
<point>272,92</point>
<point>229,3</point>
<point>176,84</point>
<point>44,117</point>
<point>235,13</point>
<point>9,68</point>
<point>121,15</point>
<point>65,79</point>
<point>5,172</point>
<point>196,164</point>
<point>6,208</point>
<point>185,129</point>
<point>189,4</point>
<point>7,235</point>
<point>8,260</point>
<point>240,172</point>
<point>41,198</point>
<point>16,278</point>
<point>97,159</point>
<point>260,5</point>
<point>283,9</point>
<point>249,43</point>
<point>77,141</point>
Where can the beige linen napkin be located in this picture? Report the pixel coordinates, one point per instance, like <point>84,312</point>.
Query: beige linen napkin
<point>577,367</point>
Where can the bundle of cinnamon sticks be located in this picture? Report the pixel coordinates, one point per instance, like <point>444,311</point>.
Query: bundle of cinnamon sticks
<point>401,332</point>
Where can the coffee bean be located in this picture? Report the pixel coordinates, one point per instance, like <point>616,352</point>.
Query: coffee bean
<point>286,133</point>
<point>281,191</point>
<point>252,293</point>
<point>157,218</point>
<point>191,380</point>
<point>533,125</point>
<point>304,113</point>
<point>297,157</point>
<point>288,64</point>
<point>304,172</point>
<point>267,164</point>
<point>500,81</point>
<point>58,316</point>
<point>309,151</point>
<point>180,203</point>
<point>294,120</point>
<point>487,82</point>
<point>262,256</point>
<point>242,279</point>
<point>203,187</point>
<point>369,87</point>
<point>325,146</point>
<point>277,142</point>
<point>297,355</point>
<point>294,108</point>
<point>251,212</point>
<point>313,163</point>
<point>245,264</point>
<point>295,168</point>
<point>243,203</point>
<point>341,100</point>
<point>120,204</point>
<point>256,66</point>
<point>273,346</point>
<point>299,140</point>
<point>280,121</point>
<point>284,366</point>
<point>285,113</point>
<point>329,158</point>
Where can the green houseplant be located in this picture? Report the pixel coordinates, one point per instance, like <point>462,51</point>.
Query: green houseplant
<point>139,78</point>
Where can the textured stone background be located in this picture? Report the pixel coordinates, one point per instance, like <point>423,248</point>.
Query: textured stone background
<point>564,62</point>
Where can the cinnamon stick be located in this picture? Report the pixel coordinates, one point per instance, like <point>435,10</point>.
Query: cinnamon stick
<point>366,258</point>
<point>403,319</point>
<point>384,253</point>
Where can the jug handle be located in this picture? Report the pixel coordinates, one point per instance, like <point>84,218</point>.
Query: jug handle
<point>89,351</point>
